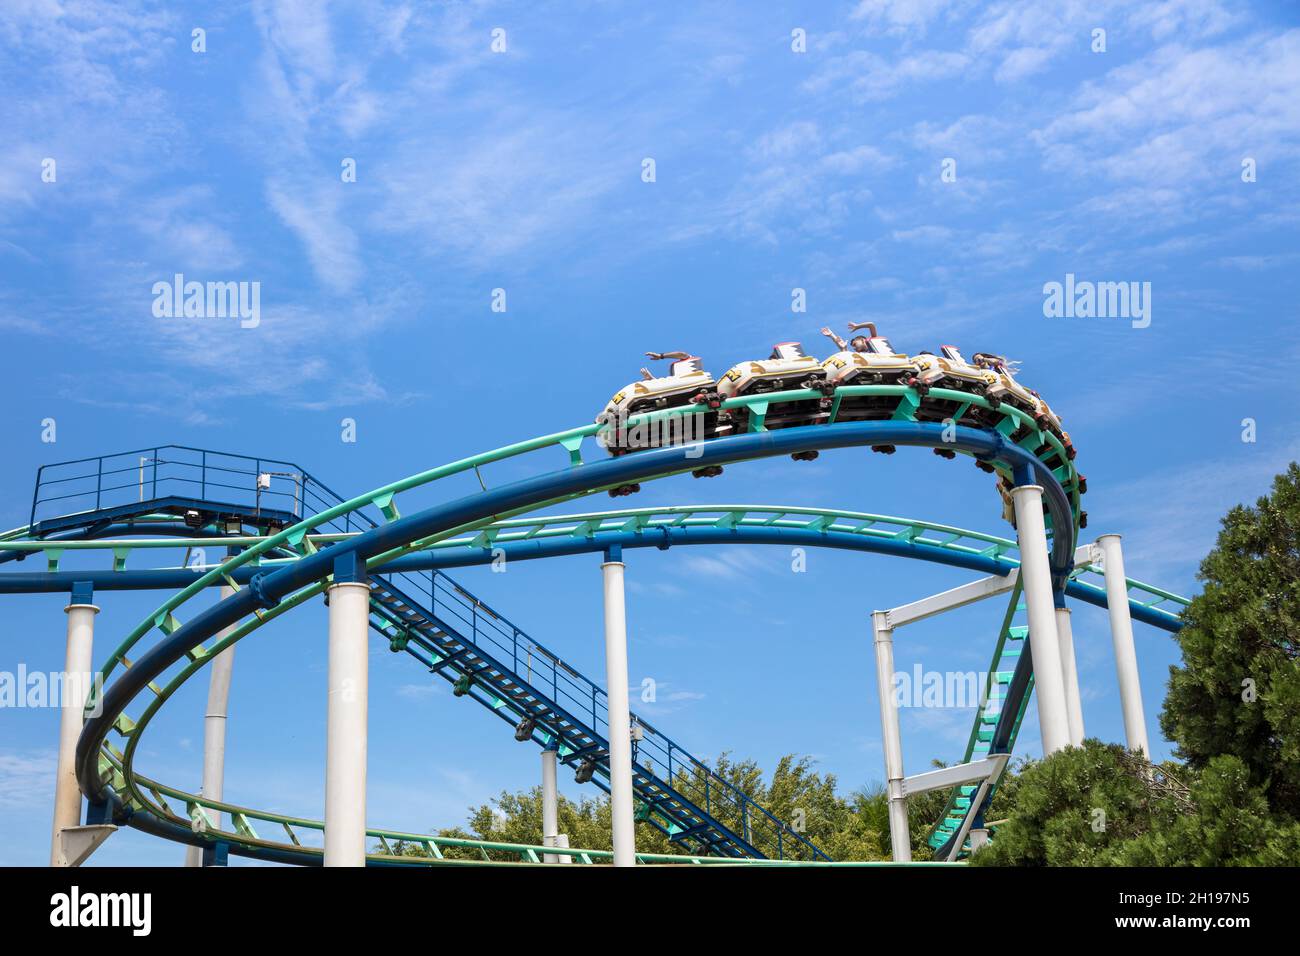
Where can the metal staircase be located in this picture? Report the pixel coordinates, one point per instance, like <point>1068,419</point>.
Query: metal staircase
<point>487,658</point>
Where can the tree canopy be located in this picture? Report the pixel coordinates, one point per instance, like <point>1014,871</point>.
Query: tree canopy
<point>1238,689</point>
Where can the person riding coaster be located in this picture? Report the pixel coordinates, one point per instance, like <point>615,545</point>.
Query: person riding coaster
<point>1005,388</point>
<point>867,360</point>
<point>687,387</point>
<point>788,368</point>
<point>1025,399</point>
<point>951,371</point>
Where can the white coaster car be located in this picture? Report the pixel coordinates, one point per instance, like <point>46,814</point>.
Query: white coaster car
<point>787,368</point>
<point>866,360</point>
<point>950,369</point>
<point>1006,388</point>
<point>1048,420</point>
<point>1027,400</point>
<point>687,386</point>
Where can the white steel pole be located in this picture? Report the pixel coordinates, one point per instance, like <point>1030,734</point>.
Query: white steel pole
<point>620,723</point>
<point>550,805</point>
<point>1049,685</point>
<point>1121,635</point>
<point>883,640</point>
<point>1070,674</point>
<point>214,730</point>
<point>76,685</point>
<point>346,728</point>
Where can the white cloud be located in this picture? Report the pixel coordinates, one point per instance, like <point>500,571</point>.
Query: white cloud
<point>1170,519</point>
<point>868,77</point>
<point>180,226</point>
<point>26,778</point>
<point>1021,63</point>
<point>730,564</point>
<point>314,215</point>
<point>902,16</point>
<point>1181,117</point>
<point>923,234</point>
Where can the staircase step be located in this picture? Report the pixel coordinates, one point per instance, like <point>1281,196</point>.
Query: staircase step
<point>502,688</point>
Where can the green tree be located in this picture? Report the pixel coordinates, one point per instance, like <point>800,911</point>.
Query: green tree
<point>1071,809</point>
<point>852,828</point>
<point>1230,824</point>
<point>1096,806</point>
<point>1238,689</point>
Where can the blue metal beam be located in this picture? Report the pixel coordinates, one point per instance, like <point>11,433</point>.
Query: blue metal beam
<point>658,537</point>
<point>265,590</point>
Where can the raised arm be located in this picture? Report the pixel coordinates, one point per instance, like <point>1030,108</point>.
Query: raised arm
<point>835,338</point>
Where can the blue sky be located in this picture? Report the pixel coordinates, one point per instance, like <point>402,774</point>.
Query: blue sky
<point>522,170</point>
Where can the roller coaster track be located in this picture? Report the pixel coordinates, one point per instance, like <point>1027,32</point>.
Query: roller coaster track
<point>465,528</point>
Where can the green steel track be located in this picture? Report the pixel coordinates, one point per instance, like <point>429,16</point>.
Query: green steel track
<point>141,795</point>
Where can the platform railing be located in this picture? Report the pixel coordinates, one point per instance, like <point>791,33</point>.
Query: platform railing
<point>87,485</point>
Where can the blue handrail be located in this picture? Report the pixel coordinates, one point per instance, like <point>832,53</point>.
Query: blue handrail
<point>121,479</point>
<point>474,620</point>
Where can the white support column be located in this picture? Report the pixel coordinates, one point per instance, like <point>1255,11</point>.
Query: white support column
<point>1121,635</point>
<point>550,805</point>
<point>346,725</point>
<point>1049,685</point>
<point>214,729</point>
<point>883,641</point>
<point>1070,674</point>
<point>620,722</point>
<point>76,683</point>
